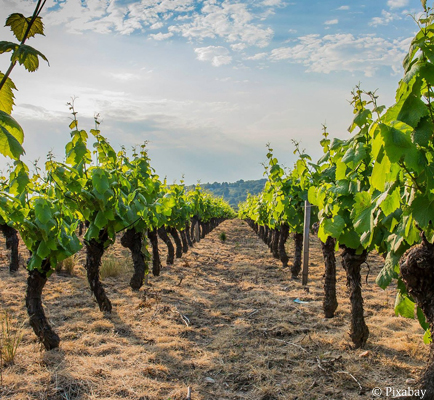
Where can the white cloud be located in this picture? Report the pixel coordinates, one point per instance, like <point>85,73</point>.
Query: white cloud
<point>331,22</point>
<point>272,2</point>
<point>157,25</point>
<point>385,19</point>
<point>258,56</point>
<point>124,76</point>
<point>217,55</point>
<point>231,21</point>
<point>397,3</point>
<point>344,52</point>
<point>342,8</point>
<point>161,36</point>
<point>238,46</point>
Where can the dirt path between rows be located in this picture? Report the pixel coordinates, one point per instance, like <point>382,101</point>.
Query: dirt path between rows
<point>221,321</point>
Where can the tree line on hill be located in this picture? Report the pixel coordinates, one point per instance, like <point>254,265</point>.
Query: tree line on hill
<point>236,192</point>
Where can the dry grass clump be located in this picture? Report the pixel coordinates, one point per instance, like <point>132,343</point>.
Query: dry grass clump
<point>11,334</point>
<point>112,267</point>
<point>67,266</point>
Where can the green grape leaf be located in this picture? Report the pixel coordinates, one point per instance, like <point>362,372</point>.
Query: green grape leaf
<point>7,95</point>
<point>351,239</point>
<point>333,227</point>
<point>7,46</point>
<point>35,262</point>
<point>404,306</point>
<point>19,24</point>
<point>379,173</point>
<point>422,211</point>
<point>43,250</point>
<point>100,180</point>
<point>427,337</point>
<point>396,141</point>
<point>12,126</point>
<point>360,119</point>
<point>73,124</point>
<point>423,132</point>
<point>11,137</point>
<point>362,215</point>
<point>28,57</point>
<point>92,232</point>
<point>391,202</point>
<point>76,152</point>
<point>412,110</point>
<point>100,220</point>
<point>43,210</point>
<point>9,146</point>
<point>388,272</point>
<point>19,179</point>
<point>421,318</point>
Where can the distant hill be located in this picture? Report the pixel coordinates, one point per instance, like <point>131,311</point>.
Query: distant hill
<point>236,192</point>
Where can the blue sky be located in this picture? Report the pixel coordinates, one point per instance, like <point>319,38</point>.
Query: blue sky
<point>207,83</point>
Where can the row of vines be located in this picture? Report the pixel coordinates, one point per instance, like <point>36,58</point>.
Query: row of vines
<point>371,192</point>
<point>91,198</point>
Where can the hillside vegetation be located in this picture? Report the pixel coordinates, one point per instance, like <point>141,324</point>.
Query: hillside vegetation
<point>236,192</point>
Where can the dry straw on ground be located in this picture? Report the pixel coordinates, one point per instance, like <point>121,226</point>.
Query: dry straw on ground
<point>221,321</point>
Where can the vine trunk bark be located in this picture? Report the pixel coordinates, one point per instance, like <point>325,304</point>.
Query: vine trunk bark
<point>298,248</point>
<point>94,252</point>
<point>352,263</point>
<point>184,241</point>
<point>417,270</point>
<point>38,321</point>
<point>133,241</point>
<point>174,233</point>
<point>284,233</point>
<point>156,263</point>
<point>187,234</point>
<point>170,249</point>
<point>330,303</point>
<point>275,244</point>
<point>12,242</point>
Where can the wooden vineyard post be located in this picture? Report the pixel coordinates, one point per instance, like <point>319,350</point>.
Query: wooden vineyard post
<point>307,207</point>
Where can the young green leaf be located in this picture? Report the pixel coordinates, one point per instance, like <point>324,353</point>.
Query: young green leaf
<point>28,57</point>
<point>19,24</point>
<point>6,95</point>
<point>11,137</point>
<point>5,47</point>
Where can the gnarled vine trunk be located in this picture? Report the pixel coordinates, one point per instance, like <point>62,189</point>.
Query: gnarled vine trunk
<point>187,234</point>
<point>195,225</point>
<point>156,263</point>
<point>352,263</point>
<point>284,233</point>
<point>133,241</point>
<point>261,232</point>
<point>94,252</point>
<point>417,270</point>
<point>202,229</point>
<point>174,233</point>
<point>275,244</point>
<point>12,242</point>
<point>38,321</point>
<point>298,248</point>
<point>330,303</point>
<point>162,232</point>
<point>184,241</point>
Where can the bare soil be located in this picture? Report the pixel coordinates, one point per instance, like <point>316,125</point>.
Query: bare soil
<point>222,320</point>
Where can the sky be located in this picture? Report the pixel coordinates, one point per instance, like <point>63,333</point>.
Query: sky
<point>207,83</point>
